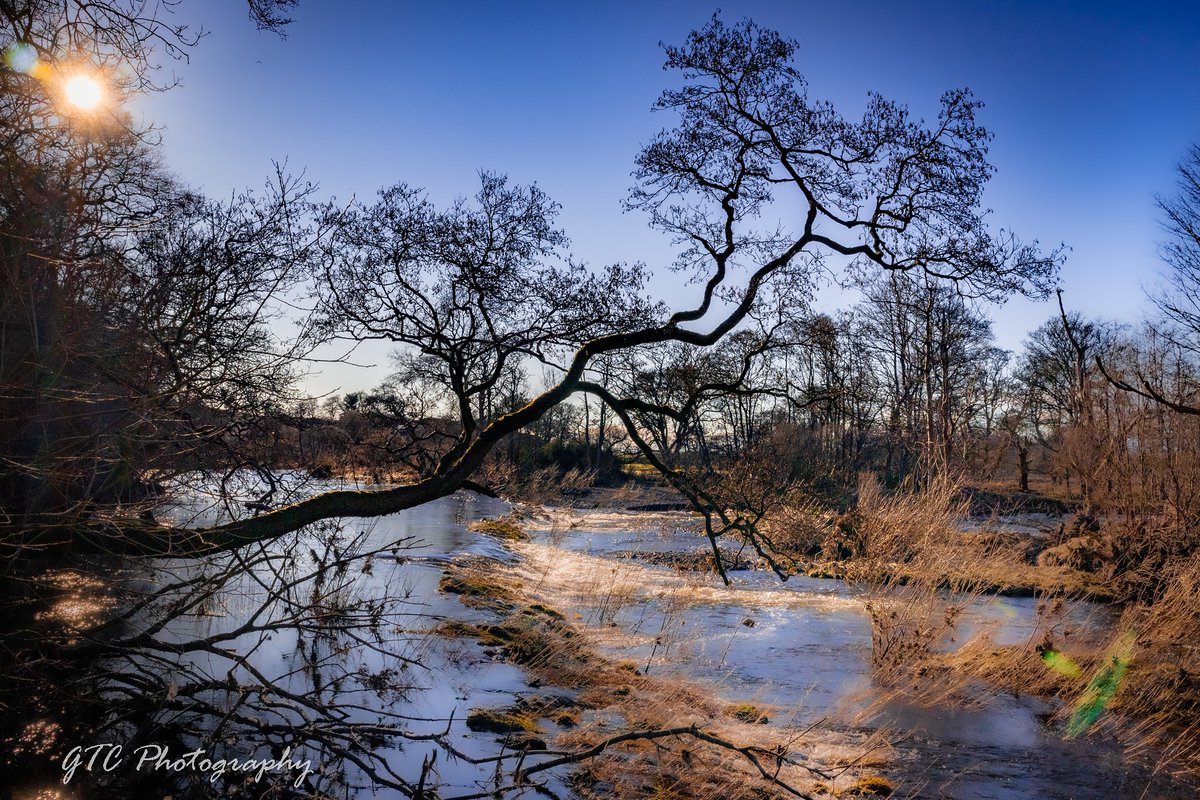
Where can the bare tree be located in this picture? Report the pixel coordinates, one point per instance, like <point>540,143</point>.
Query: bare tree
<point>134,314</point>
<point>1178,301</point>
<point>1058,371</point>
<point>471,288</point>
<point>123,39</point>
<point>170,337</point>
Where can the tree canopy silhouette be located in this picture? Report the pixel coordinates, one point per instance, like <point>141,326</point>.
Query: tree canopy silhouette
<point>757,182</point>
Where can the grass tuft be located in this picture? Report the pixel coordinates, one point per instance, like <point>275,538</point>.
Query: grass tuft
<point>500,527</point>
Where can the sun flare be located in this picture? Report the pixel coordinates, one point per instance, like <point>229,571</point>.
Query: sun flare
<point>83,92</point>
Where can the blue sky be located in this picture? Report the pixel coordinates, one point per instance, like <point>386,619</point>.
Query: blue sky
<point>1091,105</point>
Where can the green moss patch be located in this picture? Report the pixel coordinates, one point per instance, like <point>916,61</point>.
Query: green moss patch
<point>870,786</point>
<point>477,590</point>
<point>746,712</point>
<point>501,528</point>
<point>495,720</point>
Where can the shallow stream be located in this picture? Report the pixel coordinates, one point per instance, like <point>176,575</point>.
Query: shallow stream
<point>809,658</point>
<point>800,648</point>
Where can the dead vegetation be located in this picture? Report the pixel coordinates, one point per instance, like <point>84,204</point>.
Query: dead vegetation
<point>1134,675</point>
<point>1137,679</point>
<point>505,527</point>
<point>629,734</point>
<point>919,574</point>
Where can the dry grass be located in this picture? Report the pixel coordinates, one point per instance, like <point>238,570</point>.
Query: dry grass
<point>505,527</point>
<point>612,696</point>
<point>1162,686</point>
<point>918,570</point>
<point>1136,678</point>
<point>805,529</point>
<point>921,572</point>
<point>919,536</point>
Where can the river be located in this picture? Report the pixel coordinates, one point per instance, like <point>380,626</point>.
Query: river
<point>800,648</point>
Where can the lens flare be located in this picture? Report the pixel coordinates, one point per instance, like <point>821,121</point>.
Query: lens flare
<point>1102,687</point>
<point>21,57</point>
<point>83,92</point>
<point>1060,662</point>
<point>1004,608</point>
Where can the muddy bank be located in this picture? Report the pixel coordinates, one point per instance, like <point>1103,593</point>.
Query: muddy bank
<point>645,733</point>
<point>997,556</point>
<point>802,650</point>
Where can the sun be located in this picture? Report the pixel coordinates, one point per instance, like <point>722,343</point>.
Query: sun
<point>83,92</point>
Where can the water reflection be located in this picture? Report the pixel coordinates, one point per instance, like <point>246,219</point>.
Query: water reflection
<point>319,642</point>
<point>316,645</point>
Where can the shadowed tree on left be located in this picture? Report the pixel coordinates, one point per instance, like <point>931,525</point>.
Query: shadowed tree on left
<point>134,315</point>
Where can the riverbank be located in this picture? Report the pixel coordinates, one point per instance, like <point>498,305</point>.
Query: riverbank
<point>649,735</point>
<point>801,651</point>
<point>1009,547</point>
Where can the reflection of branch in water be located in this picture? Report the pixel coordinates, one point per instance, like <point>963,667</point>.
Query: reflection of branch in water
<point>766,762</point>
<point>294,645</point>
<point>165,669</point>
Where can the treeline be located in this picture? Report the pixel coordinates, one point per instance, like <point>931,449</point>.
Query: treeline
<point>149,333</point>
<point>908,383</point>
